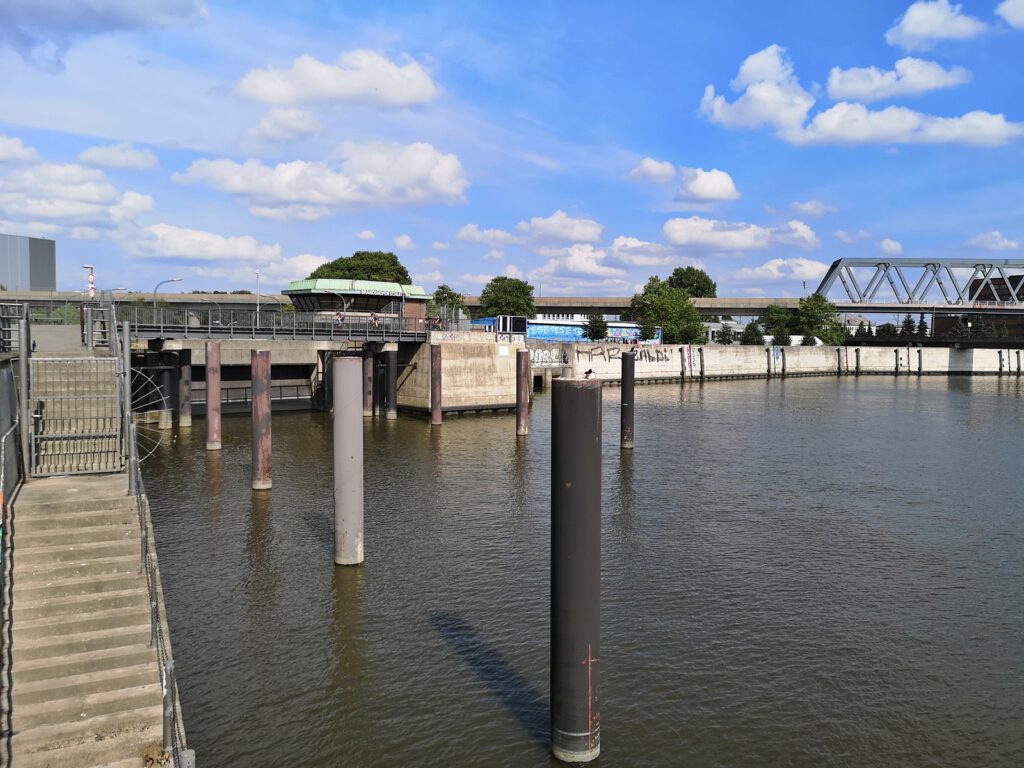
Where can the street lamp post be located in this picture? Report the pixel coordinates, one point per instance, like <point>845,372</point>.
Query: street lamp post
<point>169,280</point>
<point>257,298</point>
<point>217,305</point>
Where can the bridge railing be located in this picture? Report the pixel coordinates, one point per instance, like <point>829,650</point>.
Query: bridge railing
<point>242,324</point>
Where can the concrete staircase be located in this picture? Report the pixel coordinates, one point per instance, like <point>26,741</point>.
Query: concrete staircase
<point>86,685</point>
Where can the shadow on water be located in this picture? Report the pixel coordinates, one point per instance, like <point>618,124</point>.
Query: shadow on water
<point>528,706</point>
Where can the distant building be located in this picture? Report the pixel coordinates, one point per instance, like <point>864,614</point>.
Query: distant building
<point>28,263</point>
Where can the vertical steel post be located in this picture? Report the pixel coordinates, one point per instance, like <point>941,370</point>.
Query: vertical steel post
<point>168,362</point>
<point>857,372</point>
<point>1018,362</point>
<point>23,378</point>
<point>628,387</point>
<point>367,382</point>
<point>436,415</point>
<point>783,352</point>
<point>185,388</point>
<point>348,461</point>
<point>700,356</point>
<point>839,362</point>
<point>768,358</point>
<point>126,402</point>
<point>897,352</point>
<point>391,364</point>
<point>88,328</point>
<point>920,361</point>
<point>1000,362</point>
<point>213,396</point>
<point>576,569</point>
<point>522,391</point>
<point>262,457</point>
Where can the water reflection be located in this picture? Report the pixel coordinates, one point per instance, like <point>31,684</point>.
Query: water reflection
<point>261,577</point>
<point>214,483</point>
<point>348,632</point>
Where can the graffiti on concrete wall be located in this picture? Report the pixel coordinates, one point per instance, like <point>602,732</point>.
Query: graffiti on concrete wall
<point>644,354</point>
<point>546,357</point>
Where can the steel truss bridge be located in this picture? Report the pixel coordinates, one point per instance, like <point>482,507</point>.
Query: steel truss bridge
<point>960,282</point>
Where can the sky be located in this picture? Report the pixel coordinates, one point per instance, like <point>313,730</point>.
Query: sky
<point>582,146</point>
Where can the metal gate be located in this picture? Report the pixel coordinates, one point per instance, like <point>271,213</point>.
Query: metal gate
<point>76,416</point>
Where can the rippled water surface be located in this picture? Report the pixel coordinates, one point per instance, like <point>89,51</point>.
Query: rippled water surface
<point>804,573</point>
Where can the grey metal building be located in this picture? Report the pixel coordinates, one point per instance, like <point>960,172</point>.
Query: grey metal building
<point>27,263</point>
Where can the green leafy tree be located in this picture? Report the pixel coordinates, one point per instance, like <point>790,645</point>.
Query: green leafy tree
<point>887,331</point>
<point>922,327</point>
<point>726,335</point>
<point>648,329</point>
<point>696,282</point>
<point>782,340</point>
<point>446,301</point>
<point>808,340</point>
<point>752,335</point>
<point>507,296</point>
<point>596,328</point>
<point>671,308</point>
<point>364,265</point>
<point>908,328</point>
<point>862,330</point>
<point>778,321</point>
<point>959,328</point>
<point>817,317</point>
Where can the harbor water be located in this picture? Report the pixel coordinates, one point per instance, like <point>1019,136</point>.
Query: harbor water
<point>809,572</point>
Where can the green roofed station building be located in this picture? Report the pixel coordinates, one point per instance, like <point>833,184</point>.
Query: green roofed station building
<point>358,297</point>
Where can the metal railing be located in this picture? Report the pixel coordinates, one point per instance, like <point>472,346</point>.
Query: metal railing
<point>173,728</point>
<point>148,322</point>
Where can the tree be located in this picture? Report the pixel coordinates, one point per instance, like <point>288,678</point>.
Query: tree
<point>782,340</point>
<point>887,331</point>
<point>922,327</point>
<point>726,335</point>
<point>596,328</point>
<point>752,335</point>
<point>696,282</point>
<point>808,340</point>
<point>862,330</point>
<point>817,317</point>
<point>648,329</point>
<point>908,327</point>
<point>383,266</point>
<point>446,301</point>
<point>672,309</point>
<point>959,329</point>
<point>779,322</point>
<point>507,296</point>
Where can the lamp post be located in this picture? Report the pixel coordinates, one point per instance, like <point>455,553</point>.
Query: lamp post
<point>968,329</point>
<point>169,280</point>
<point>217,305</point>
<point>257,298</point>
<point>90,279</point>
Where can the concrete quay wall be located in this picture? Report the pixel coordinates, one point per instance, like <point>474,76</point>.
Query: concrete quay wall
<point>476,374</point>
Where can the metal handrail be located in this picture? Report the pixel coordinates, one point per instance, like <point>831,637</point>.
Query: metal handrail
<point>173,729</point>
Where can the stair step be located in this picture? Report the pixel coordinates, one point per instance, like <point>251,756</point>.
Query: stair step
<point>32,670</point>
<point>103,639</point>
<point>75,709</point>
<point>63,626</point>
<point>51,572</point>
<point>73,605</point>
<point>93,741</point>
<point>85,684</point>
<point>32,591</point>
<point>73,510</point>
<point>78,535</point>
<point>69,552</point>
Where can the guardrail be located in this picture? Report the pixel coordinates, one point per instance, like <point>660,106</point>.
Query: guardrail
<point>174,742</point>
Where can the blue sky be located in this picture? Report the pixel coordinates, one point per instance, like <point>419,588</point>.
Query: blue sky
<point>581,146</point>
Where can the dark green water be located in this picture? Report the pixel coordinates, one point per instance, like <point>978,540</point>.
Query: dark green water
<point>807,572</point>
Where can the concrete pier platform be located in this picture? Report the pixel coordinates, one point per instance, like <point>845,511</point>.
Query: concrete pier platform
<point>86,688</point>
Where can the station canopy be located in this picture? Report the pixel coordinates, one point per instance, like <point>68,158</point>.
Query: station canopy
<point>354,296</point>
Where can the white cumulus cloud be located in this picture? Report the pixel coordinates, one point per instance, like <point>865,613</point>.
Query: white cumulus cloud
<point>405,243</point>
<point>771,96</point>
<point>121,155</point>
<point>1012,12</point>
<point>169,241</point>
<point>713,234</point>
<point>473,234</point>
<point>639,253</point>
<point>13,150</point>
<point>649,169</point>
<point>494,255</point>
<point>700,186</point>
<point>891,247</point>
<point>929,21</point>
<point>68,192</point>
<point>439,245</point>
<point>811,208</point>
<point>371,174</point>
<point>562,226</point>
<point>284,123</point>
<point>851,237</point>
<point>359,77</point>
<point>775,270</point>
<point>366,234</point>
<point>911,77</point>
<point>993,241</point>
<point>576,259</point>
